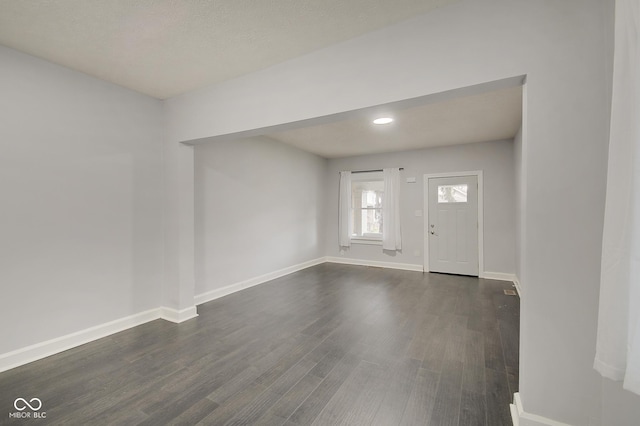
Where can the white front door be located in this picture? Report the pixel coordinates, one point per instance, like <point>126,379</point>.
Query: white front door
<point>452,225</point>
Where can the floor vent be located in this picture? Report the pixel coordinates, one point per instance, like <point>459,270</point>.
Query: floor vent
<point>510,292</point>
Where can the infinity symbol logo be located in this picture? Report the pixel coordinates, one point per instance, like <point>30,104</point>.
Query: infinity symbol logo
<point>26,404</point>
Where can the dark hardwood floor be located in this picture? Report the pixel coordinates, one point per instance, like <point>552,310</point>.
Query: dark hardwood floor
<point>330,345</point>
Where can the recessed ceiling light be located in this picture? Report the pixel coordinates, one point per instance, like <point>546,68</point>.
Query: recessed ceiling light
<point>383,120</point>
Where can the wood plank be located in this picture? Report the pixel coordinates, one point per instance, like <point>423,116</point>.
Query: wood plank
<point>510,340</point>
<point>233,405</point>
<point>291,400</point>
<point>446,408</point>
<point>498,398</point>
<point>356,401</point>
<point>420,404</point>
<point>473,375</point>
<point>472,409</point>
<point>195,413</point>
<point>330,344</point>
<point>307,412</point>
<point>401,383</point>
<point>434,351</point>
<point>493,350</point>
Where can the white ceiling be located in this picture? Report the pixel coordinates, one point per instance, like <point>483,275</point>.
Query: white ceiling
<point>494,115</point>
<point>167,47</point>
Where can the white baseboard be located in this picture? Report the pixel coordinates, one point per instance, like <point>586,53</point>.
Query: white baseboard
<point>516,282</point>
<point>504,277</point>
<point>178,316</point>
<point>500,276</point>
<point>226,290</point>
<point>375,263</point>
<point>47,348</point>
<point>522,418</point>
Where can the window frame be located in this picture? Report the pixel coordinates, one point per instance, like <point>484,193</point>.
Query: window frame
<point>365,177</point>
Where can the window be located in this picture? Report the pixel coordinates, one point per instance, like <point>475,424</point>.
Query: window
<point>452,193</point>
<point>367,191</point>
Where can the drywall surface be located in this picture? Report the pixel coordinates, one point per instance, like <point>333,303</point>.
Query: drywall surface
<point>519,203</point>
<point>178,282</point>
<point>560,47</point>
<point>259,208</point>
<point>495,159</point>
<point>81,185</point>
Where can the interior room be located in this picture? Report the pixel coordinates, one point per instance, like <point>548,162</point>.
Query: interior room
<point>176,244</point>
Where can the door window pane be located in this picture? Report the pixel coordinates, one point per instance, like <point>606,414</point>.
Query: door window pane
<point>452,193</point>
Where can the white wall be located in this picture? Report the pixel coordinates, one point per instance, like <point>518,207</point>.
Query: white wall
<point>495,159</point>
<point>519,203</point>
<point>259,208</point>
<point>80,216</point>
<point>178,282</point>
<point>561,47</point>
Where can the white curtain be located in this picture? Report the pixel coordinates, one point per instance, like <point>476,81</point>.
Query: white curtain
<point>391,235</point>
<point>344,220</point>
<point>618,344</point>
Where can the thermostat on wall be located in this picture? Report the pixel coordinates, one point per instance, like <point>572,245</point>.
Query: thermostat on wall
<point>411,180</point>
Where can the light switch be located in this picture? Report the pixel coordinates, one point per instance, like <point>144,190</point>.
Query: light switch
<point>418,213</point>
